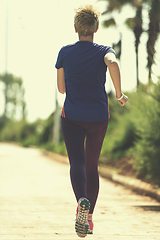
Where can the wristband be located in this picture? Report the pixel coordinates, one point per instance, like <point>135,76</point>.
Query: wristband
<point>122,95</point>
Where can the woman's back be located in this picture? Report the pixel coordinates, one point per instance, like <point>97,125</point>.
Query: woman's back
<point>85,77</point>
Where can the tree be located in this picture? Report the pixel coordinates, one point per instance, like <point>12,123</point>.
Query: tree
<point>135,23</point>
<point>153,31</point>
<point>13,96</point>
<point>116,46</point>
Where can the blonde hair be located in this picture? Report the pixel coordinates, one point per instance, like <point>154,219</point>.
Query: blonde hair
<point>86,20</point>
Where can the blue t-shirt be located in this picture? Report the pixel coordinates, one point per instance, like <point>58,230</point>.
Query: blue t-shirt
<point>85,77</point>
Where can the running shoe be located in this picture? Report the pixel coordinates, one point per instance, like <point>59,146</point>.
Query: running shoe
<point>82,225</point>
<point>90,230</point>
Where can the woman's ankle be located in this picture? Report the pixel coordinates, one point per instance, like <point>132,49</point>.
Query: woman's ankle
<point>90,217</point>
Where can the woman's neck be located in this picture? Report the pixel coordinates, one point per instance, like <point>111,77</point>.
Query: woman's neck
<point>88,38</point>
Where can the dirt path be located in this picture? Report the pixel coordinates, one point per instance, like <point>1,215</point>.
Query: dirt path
<point>37,203</point>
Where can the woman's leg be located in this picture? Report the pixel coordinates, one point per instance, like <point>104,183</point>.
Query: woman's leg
<point>74,137</point>
<point>94,140</point>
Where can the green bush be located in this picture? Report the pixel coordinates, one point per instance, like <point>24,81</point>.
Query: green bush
<point>115,109</point>
<point>126,138</point>
<point>27,130</point>
<point>136,132</point>
<point>59,148</point>
<point>133,131</point>
<point>121,131</point>
<point>47,130</point>
<point>10,131</point>
<point>147,158</point>
<point>3,121</point>
<point>21,132</point>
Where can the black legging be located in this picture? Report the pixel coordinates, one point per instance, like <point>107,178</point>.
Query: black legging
<point>84,142</point>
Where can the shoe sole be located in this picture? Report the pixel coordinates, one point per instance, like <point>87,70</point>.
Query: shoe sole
<point>90,231</point>
<point>82,225</point>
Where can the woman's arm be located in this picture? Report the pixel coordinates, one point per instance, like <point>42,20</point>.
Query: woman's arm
<point>111,61</point>
<point>61,80</point>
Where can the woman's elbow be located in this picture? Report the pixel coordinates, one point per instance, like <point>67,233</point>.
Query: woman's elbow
<point>62,90</point>
<point>113,65</point>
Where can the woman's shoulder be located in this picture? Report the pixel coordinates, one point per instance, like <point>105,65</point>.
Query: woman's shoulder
<point>68,46</point>
<point>103,48</point>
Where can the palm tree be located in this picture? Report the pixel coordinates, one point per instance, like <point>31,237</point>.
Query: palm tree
<point>135,23</point>
<point>113,6</point>
<point>116,46</point>
<point>153,32</point>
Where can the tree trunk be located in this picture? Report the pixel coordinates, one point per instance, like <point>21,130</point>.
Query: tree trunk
<point>56,124</point>
<point>5,96</point>
<point>137,69</point>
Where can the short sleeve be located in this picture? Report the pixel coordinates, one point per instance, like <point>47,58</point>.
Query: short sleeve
<point>59,60</point>
<point>110,50</point>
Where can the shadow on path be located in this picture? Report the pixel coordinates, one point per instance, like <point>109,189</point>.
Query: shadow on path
<point>149,208</point>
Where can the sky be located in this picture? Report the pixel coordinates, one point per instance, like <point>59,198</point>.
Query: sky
<point>36,32</point>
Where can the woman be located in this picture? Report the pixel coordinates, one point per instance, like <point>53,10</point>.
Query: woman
<point>81,74</point>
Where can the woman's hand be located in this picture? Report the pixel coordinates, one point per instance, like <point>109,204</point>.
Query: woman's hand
<point>123,99</point>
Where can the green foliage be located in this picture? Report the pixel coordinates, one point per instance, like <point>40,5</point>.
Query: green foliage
<point>153,33</point>
<point>109,23</point>
<point>126,137</point>
<point>9,132</point>
<point>3,121</point>
<point>147,159</point>
<point>121,133</point>
<point>114,107</point>
<point>133,132</point>
<point>115,5</point>
<point>60,148</point>
<point>38,133</point>
<point>20,131</point>
<point>47,131</point>
<point>136,25</point>
<point>13,96</point>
